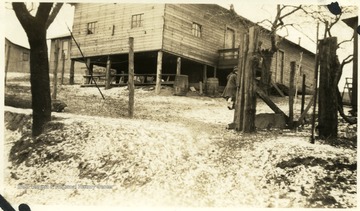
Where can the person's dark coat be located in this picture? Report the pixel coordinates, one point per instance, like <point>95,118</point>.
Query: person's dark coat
<point>230,88</point>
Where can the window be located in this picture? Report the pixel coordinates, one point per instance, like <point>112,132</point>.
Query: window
<point>25,56</point>
<point>91,28</point>
<point>196,29</point>
<point>136,20</point>
<point>65,49</point>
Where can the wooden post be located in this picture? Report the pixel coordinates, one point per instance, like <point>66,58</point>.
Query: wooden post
<point>131,85</point>
<point>56,62</point>
<point>303,91</point>
<point>205,77</point>
<point>302,117</point>
<point>291,93</point>
<point>108,73</point>
<point>72,72</point>
<point>261,93</point>
<point>62,68</point>
<point>328,118</point>
<point>89,70</point>
<point>239,102</point>
<point>245,105</point>
<point>215,72</point>
<point>315,85</point>
<point>178,66</point>
<point>7,61</point>
<point>354,95</point>
<point>158,72</point>
<point>249,82</point>
<point>201,87</point>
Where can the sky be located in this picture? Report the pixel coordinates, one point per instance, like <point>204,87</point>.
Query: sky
<point>255,11</point>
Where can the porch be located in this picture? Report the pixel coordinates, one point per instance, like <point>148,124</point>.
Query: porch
<point>228,58</point>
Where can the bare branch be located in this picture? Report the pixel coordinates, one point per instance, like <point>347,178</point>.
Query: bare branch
<point>263,21</point>
<point>347,60</point>
<point>53,14</point>
<point>31,7</point>
<point>291,12</point>
<point>345,41</point>
<point>43,11</point>
<point>23,15</point>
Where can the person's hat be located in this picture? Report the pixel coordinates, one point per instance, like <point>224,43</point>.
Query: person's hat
<point>236,67</point>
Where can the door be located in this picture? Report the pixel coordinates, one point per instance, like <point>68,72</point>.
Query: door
<point>229,43</point>
<point>229,38</point>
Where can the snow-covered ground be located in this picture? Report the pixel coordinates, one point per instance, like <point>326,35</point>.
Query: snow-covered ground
<point>174,152</point>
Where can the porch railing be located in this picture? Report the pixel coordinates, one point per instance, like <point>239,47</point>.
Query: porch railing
<point>228,57</point>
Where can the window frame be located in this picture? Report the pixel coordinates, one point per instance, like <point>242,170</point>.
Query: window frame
<point>91,28</point>
<point>25,56</point>
<point>196,30</point>
<point>137,20</point>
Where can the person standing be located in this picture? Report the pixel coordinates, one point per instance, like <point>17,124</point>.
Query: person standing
<point>230,89</point>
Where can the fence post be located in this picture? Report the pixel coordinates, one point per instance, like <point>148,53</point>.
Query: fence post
<point>62,68</point>
<point>328,121</point>
<point>303,92</point>
<point>246,96</point>
<point>131,77</point>
<point>291,94</point>
<point>108,73</point>
<point>72,72</point>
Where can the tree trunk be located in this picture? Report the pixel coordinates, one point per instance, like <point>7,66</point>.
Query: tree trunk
<point>265,80</point>
<point>35,28</point>
<point>40,81</point>
<point>328,99</point>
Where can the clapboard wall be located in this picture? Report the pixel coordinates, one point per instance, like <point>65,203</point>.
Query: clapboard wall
<point>18,59</point>
<point>168,27</point>
<point>291,52</point>
<point>214,21</point>
<point>113,28</point>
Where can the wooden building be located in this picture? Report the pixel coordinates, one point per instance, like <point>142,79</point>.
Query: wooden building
<point>198,40</point>
<point>17,58</point>
<point>62,45</point>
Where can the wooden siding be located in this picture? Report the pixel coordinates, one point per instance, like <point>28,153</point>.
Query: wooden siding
<point>79,67</point>
<point>178,36</point>
<point>292,53</point>
<point>18,62</point>
<point>103,42</point>
<point>168,27</point>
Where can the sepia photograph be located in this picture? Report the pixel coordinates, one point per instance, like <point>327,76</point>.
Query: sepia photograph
<point>173,105</point>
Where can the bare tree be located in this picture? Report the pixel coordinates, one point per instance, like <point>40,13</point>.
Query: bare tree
<point>35,28</point>
<point>329,20</point>
<point>334,72</point>
<point>279,23</point>
<point>282,12</point>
